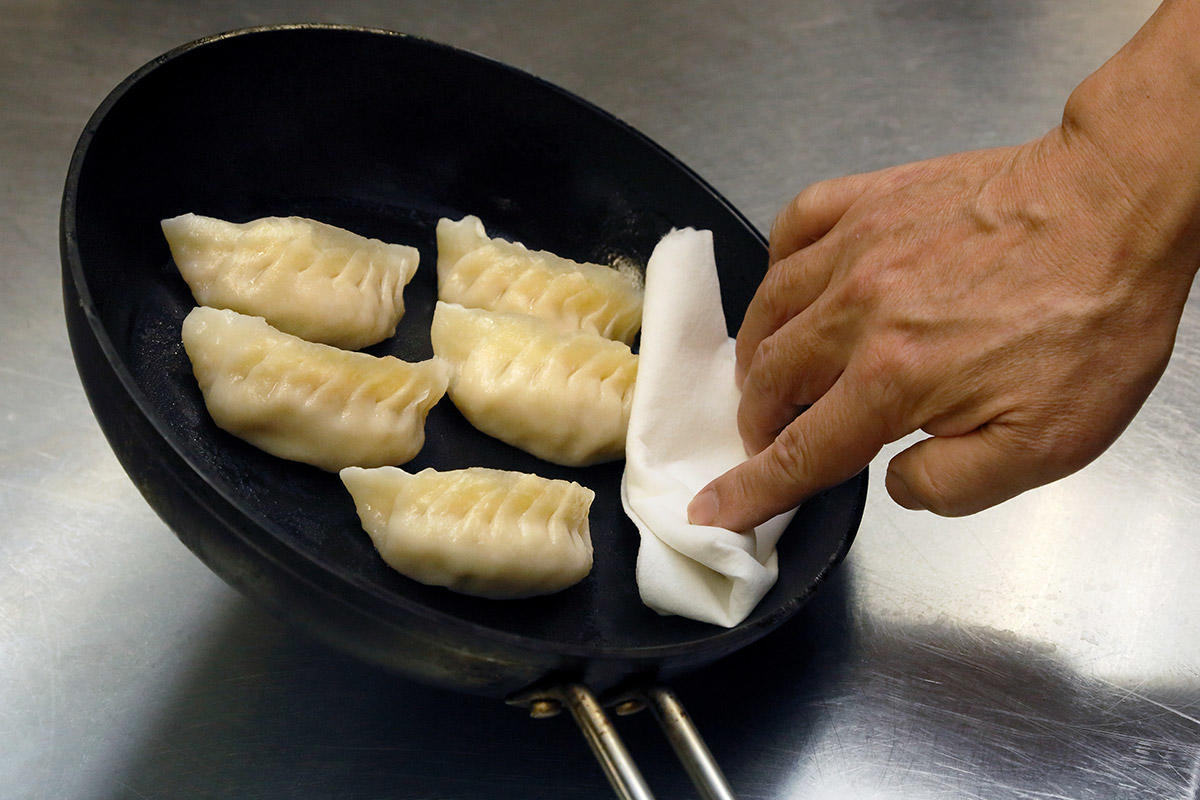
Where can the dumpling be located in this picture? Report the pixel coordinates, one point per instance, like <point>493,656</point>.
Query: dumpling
<point>306,278</point>
<point>478,531</point>
<point>310,402</point>
<point>563,397</point>
<point>479,272</point>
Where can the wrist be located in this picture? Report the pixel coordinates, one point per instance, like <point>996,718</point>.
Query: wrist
<point>1132,129</point>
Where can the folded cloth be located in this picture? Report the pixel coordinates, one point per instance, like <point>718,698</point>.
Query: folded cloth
<point>682,434</point>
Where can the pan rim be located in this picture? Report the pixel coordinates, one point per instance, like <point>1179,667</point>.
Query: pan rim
<point>366,599</point>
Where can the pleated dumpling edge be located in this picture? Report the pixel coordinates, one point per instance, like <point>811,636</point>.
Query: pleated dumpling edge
<point>306,401</point>
<point>307,278</point>
<point>476,271</point>
<point>563,397</point>
<point>484,532</point>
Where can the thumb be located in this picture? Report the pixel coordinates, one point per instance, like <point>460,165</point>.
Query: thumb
<point>953,476</point>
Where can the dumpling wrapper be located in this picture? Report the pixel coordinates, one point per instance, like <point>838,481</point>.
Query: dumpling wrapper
<point>478,531</point>
<point>306,278</point>
<point>306,401</point>
<point>497,275</point>
<point>563,397</point>
<point>682,434</point>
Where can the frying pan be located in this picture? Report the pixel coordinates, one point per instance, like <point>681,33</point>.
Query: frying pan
<point>384,133</point>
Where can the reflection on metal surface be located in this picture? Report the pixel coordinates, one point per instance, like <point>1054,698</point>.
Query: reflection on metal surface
<point>855,705</point>
<point>1098,564</point>
<point>973,713</point>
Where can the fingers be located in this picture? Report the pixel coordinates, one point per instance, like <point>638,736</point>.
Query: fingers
<point>959,475</point>
<point>798,272</point>
<point>789,287</point>
<point>800,267</point>
<point>813,213</point>
<point>830,442</point>
<point>791,368</point>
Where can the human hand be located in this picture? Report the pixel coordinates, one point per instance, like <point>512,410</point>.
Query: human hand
<point>1016,304</point>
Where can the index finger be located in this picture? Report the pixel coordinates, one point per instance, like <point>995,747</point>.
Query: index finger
<point>829,443</point>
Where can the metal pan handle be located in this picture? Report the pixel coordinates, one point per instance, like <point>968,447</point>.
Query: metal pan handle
<point>701,767</point>
<point>622,773</point>
<point>601,736</point>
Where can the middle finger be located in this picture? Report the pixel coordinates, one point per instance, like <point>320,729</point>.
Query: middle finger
<point>792,368</point>
<point>790,286</point>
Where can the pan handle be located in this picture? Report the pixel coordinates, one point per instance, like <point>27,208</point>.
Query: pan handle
<point>547,701</point>
<point>689,746</point>
<point>622,773</point>
<point>598,730</point>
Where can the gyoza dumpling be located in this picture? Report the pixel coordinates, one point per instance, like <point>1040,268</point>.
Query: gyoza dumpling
<point>310,402</point>
<point>478,531</point>
<point>478,272</point>
<point>306,278</point>
<point>564,397</point>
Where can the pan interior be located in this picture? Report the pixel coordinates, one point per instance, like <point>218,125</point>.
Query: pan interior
<point>383,134</point>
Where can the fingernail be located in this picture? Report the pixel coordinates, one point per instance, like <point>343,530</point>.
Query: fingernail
<point>704,507</point>
<point>900,492</point>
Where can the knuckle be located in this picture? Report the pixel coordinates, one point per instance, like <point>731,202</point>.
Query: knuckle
<point>791,457</point>
<point>894,180</point>
<point>874,222</point>
<point>940,500</point>
<point>1057,432</point>
<point>777,288</point>
<point>790,219</point>
<point>764,409</point>
<point>809,196</point>
<point>769,300</point>
<point>784,223</point>
<point>890,369</point>
<point>769,359</point>
<point>863,288</point>
<point>1066,446</point>
<point>932,489</point>
<point>782,372</point>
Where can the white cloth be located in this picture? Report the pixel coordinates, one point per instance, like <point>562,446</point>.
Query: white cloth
<point>682,434</point>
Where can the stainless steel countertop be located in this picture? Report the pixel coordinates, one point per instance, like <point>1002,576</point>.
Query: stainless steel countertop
<point>1048,648</point>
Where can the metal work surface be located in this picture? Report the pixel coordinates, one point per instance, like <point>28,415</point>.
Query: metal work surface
<point>1047,648</point>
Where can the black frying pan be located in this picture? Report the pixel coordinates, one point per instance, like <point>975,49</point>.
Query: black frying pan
<point>382,134</point>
